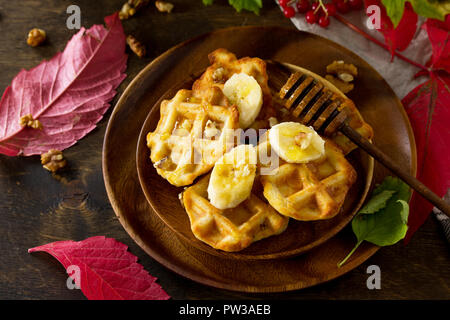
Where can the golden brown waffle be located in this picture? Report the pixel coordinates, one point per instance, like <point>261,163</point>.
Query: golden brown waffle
<point>191,136</point>
<point>223,65</point>
<point>231,229</point>
<point>310,191</point>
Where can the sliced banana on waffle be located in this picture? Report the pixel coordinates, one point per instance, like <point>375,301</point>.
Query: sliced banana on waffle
<point>232,177</point>
<point>245,92</point>
<point>296,143</point>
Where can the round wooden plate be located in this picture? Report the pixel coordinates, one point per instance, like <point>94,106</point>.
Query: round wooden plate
<point>373,96</point>
<point>298,238</point>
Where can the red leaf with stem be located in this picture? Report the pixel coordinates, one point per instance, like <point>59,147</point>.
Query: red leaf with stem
<point>439,35</point>
<point>427,107</point>
<point>400,37</point>
<point>68,94</point>
<point>428,111</point>
<point>107,271</point>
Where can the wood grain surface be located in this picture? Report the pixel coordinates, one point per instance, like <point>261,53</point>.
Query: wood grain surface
<point>38,208</point>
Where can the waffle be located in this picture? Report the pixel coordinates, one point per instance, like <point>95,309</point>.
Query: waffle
<point>231,229</point>
<point>310,191</point>
<point>223,65</point>
<point>191,136</point>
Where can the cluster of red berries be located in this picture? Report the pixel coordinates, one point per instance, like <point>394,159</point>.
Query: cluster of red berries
<point>318,11</point>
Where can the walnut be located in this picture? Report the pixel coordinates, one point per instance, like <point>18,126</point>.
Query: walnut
<point>126,12</point>
<point>341,74</point>
<point>211,130</point>
<point>273,121</point>
<point>130,8</point>
<point>137,47</point>
<point>36,37</point>
<point>343,86</point>
<point>164,6</point>
<point>338,67</point>
<point>218,75</point>
<point>28,121</point>
<point>53,160</point>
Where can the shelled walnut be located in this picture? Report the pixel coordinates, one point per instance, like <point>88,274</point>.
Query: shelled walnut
<point>137,47</point>
<point>164,6</point>
<point>53,160</point>
<point>341,74</point>
<point>28,121</point>
<point>130,8</point>
<point>36,37</point>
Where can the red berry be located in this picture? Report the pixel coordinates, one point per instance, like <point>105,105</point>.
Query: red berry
<point>355,4</point>
<point>314,6</point>
<point>289,12</point>
<point>331,9</point>
<point>343,7</point>
<point>324,21</point>
<point>311,17</point>
<point>283,3</point>
<point>302,6</point>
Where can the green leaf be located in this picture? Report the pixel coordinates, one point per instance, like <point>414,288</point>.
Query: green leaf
<point>426,8</point>
<point>384,228</point>
<point>431,9</point>
<point>250,5</point>
<point>377,202</point>
<point>405,211</point>
<point>208,2</point>
<point>383,220</point>
<point>394,184</point>
<point>394,9</point>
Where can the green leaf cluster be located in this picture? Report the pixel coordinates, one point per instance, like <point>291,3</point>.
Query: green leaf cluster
<point>383,220</point>
<point>435,9</point>
<point>239,5</point>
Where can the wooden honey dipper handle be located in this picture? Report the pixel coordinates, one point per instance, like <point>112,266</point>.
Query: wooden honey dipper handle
<point>381,157</point>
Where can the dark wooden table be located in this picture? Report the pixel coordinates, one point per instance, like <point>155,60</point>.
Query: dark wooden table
<point>37,208</point>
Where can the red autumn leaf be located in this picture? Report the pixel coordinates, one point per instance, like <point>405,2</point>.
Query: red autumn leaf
<point>427,108</point>
<point>400,37</point>
<point>439,35</point>
<point>107,270</point>
<point>68,94</point>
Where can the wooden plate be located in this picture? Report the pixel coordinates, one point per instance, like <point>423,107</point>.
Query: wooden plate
<point>377,102</point>
<point>298,238</point>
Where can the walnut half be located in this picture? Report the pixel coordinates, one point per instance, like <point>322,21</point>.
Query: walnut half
<point>137,47</point>
<point>164,6</point>
<point>36,37</point>
<point>28,121</point>
<point>341,74</point>
<point>53,160</point>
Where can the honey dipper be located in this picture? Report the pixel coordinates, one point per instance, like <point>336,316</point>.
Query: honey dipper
<point>315,105</point>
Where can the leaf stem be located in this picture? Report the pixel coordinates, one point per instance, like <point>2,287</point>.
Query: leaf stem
<point>351,252</point>
<point>378,42</point>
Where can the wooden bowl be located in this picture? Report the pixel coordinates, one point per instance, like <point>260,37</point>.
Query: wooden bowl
<point>298,238</point>
<point>373,96</point>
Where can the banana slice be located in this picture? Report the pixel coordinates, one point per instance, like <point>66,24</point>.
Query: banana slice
<point>245,92</point>
<point>296,143</point>
<point>232,177</point>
